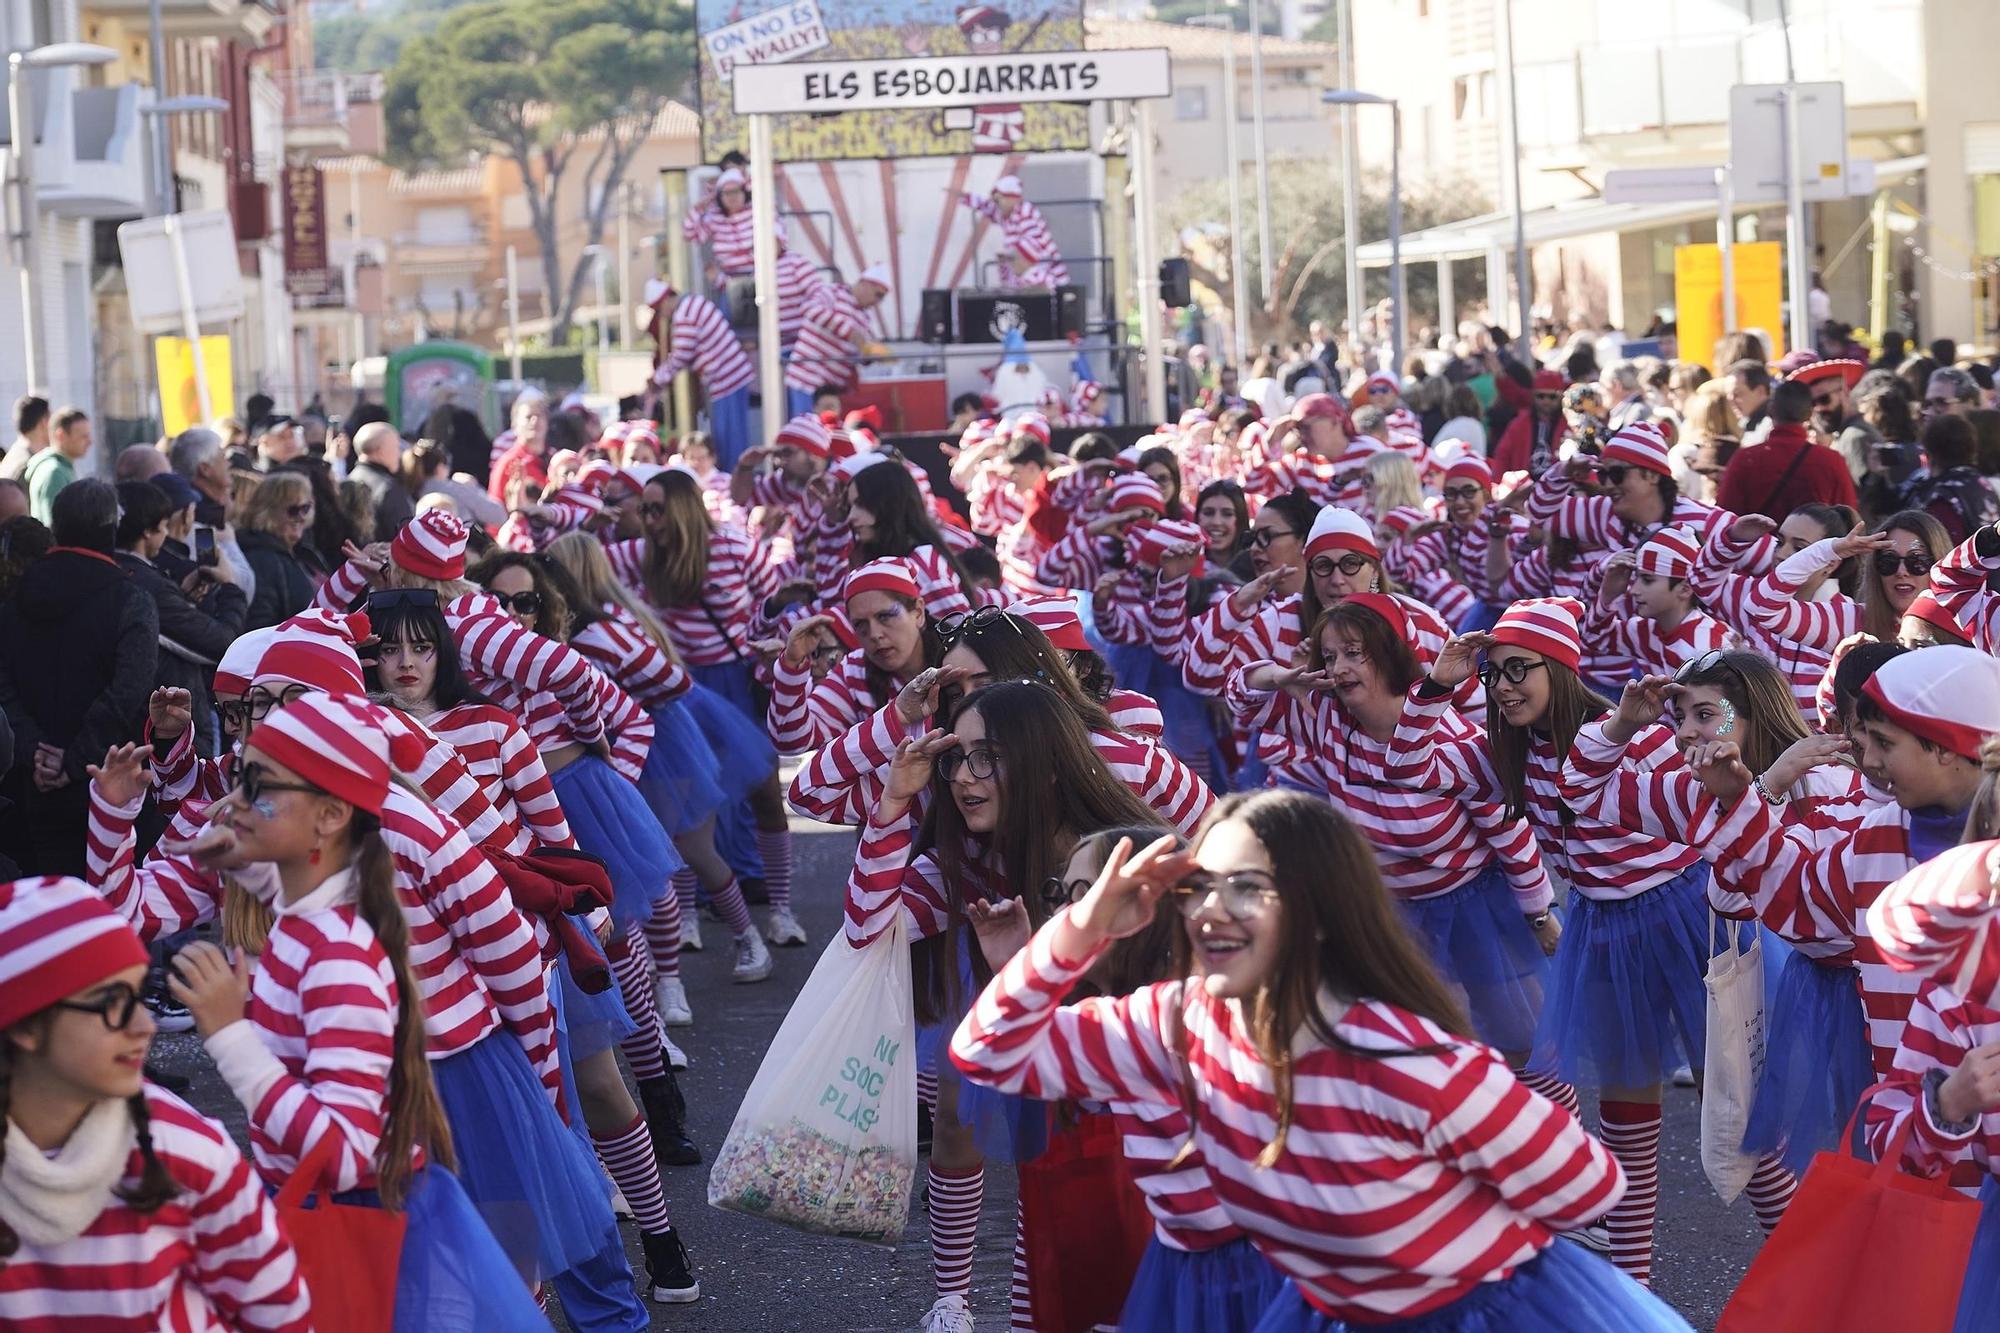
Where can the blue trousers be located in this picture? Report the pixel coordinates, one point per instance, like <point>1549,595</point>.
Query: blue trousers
<point>729,423</point>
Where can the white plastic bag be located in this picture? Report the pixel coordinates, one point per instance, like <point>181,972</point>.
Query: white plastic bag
<point>1735,1061</point>
<point>826,1138</point>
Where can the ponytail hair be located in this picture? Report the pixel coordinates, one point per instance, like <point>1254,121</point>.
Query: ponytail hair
<point>415,1118</point>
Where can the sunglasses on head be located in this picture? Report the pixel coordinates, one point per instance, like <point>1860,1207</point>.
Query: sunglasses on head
<point>1514,670</point>
<point>114,1007</point>
<point>527,603</point>
<point>1263,537</point>
<point>1888,562</point>
<point>388,599</point>
<point>1708,661</point>
<point>958,624</point>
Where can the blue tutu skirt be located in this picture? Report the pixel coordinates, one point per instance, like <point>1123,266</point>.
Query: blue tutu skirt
<point>725,709</point>
<point>612,821</point>
<point>1564,1287</point>
<point>1625,1002</point>
<point>453,1276</point>
<point>1006,1127</point>
<point>1481,943</point>
<point>1482,616</point>
<point>1979,1298</point>
<point>536,1185</point>
<point>592,1023</point>
<point>1189,726</point>
<point>1221,1290</point>
<point>1816,1063</point>
<point>682,777</point>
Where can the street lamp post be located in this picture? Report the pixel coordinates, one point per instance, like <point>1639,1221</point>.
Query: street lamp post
<point>1397,294</point>
<point>1264,256</point>
<point>596,253</point>
<point>20,128</point>
<point>1241,312</point>
<point>167,201</point>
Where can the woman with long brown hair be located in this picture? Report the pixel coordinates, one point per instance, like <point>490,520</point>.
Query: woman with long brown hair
<point>1300,996</point>
<point>1011,789</point>
<point>334,1045</point>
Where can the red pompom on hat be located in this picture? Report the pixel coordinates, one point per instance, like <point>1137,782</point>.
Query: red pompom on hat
<point>1669,553</point>
<point>1338,529</point>
<point>1469,468</point>
<point>1948,695</point>
<point>431,546</point>
<point>1551,626</point>
<point>58,937</point>
<point>805,431</point>
<point>1640,444</point>
<point>891,574</point>
<point>315,649</point>
<point>345,747</point>
<point>1136,490</point>
<point>1057,619</point>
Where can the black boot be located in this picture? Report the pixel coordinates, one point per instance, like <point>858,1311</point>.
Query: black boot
<point>666,1118</point>
<point>668,1272</point>
<point>923,1126</point>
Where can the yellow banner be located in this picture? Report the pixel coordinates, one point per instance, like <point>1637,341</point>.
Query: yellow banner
<point>1760,292</point>
<point>180,399</point>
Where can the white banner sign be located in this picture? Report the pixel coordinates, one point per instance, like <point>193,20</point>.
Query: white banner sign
<point>819,86</point>
<point>770,38</point>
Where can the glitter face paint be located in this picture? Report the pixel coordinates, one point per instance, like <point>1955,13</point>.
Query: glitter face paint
<point>1728,718</point>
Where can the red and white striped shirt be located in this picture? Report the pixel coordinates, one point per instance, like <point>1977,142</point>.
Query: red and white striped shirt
<point>1427,843</point>
<point>1660,652</point>
<point>729,236</point>
<point>1026,233</point>
<point>629,728</point>
<point>716,628</point>
<point>825,353</point>
<point>805,714</point>
<point>1765,612</point>
<point>1305,470</point>
<point>1173,1178</point>
<point>702,341</point>
<point>1594,858</point>
<point>1589,520</point>
<point>1959,583</point>
<point>619,646</point>
<point>1405,1181</point>
<point>210,1260</point>
<point>1532,575</point>
<point>798,279</point>
<point>509,769</point>
<point>1459,550</point>
<point>1942,1029</point>
<point>473,955</point>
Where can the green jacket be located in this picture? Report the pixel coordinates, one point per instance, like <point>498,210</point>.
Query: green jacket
<point>48,472</point>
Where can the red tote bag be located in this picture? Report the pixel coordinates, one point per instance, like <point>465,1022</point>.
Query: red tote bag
<point>349,1255</point>
<point>1863,1248</point>
<point>1085,1227</point>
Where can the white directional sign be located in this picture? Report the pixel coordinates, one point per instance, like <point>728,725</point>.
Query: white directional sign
<point>820,86</point>
<point>1757,166</point>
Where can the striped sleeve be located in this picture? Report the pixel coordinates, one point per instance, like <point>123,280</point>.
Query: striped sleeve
<point>242,1261</point>
<point>1167,620</point>
<point>1218,640</point>
<point>1772,608</point>
<point>805,714</point>
<point>1418,758</point>
<point>1959,583</point>
<point>496,647</point>
<point>1073,562</point>
<point>167,894</point>
<point>1939,1034</point>
<point>885,880</point>
<point>348,585</point>
<point>526,779</point>
<point>843,778</point>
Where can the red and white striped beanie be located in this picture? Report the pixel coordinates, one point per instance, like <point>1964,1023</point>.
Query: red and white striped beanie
<point>1136,490</point>
<point>1640,444</point>
<point>806,431</point>
<point>345,747</point>
<point>891,574</point>
<point>431,546</point>
<point>1927,608</point>
<point>596,476</point>
<point>1948,695</point>
<point>1670,553</point>
<point>1938,921</point>
<point>1337,529</point>
<point>1323,405</point>
<point>1149,545</point>
<point>1551,626</point>
<point>642,430</point>
<point>1033,425</point>
<point>1387,607</point>
<point>315,649</point>
<point>636,475</point>
<point>1086,393</point>
<point>240,659</point>
<point>614,433</point>
<point>58,937</point>
<point>1057,619</point>
<point>1468,468</point>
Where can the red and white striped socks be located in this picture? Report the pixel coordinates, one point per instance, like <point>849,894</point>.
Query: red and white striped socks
<point>1557,1091</point>
<point>663,934</point>
<point>1020,1309</point>
<point>1770,1191</point>
<point>927,1086</point>
<point>1631,1130</point>
<point>728,900</point>
<point>954,1218</point>
<point>628,1159</point>
<point>774,849</point>
<point>645,1049</point>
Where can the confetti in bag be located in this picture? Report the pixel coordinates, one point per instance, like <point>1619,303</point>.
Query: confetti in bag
<point>826,1138</point>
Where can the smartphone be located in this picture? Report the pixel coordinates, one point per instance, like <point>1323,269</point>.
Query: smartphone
<point>205,554</point>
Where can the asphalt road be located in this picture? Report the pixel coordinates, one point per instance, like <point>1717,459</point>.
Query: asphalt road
<point>757,1277</point>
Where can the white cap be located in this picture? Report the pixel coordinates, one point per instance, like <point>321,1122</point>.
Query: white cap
<point>879,275</point>
<point>654,289</point>
<point>859,463</point>
<point>1007,185</point>
<point>733,176</point>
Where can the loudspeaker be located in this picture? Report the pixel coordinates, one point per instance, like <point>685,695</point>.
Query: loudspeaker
<point>1175,289</point>
<point>1072,311</point>
<point>741,298</point>
<point>934,317</point>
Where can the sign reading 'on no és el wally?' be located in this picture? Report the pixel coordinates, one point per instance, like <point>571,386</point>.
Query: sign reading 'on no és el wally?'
<point>770,38</point>
<point>821,86</point>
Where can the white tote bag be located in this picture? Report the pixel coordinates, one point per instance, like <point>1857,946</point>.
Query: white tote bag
<point>826,1138</point>
<point>1735,1059</point>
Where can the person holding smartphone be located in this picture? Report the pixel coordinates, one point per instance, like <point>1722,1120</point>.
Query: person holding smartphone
<point>201,611</point>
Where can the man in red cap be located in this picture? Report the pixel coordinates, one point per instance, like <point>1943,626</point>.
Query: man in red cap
<point>1787,470</point>
<point>1313,459</point>
<point>1533,439</point>
<point>1834,420</point>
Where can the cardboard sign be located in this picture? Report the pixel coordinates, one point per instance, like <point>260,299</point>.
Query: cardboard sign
<point>770,38</point>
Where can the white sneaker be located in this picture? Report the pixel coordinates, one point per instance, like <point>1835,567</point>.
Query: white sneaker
<point>1591,1236</point>
<point>671,996</point>
<point>783,929</point>
<point>753,960</point>
<point>949,1315</point>
<point>690,933</point>
<point>1683,1077</point>
<point>619,1207</point>
<point>676,1057</point>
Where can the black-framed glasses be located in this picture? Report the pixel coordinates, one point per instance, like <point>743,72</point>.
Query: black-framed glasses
<point>1469,491</point>
<point>979,763</point>
<point>1514,670</point>
<point>388,599</point>
<point>527,603</point>
<point>1888,562</point>
<point>958,624</point>
<point>1263,537</point>
<point>1615,474</point>
<point>1242,896</point>
<point>233,715</point>
<point>1058,893</point>
<point>252,781</point>
<point>114,1007</point>
<point>257,705</point>
<point>1323,566</point>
